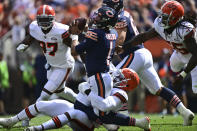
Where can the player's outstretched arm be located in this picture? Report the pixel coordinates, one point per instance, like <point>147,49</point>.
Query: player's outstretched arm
<point>25,43</point>
<point>140,38</point>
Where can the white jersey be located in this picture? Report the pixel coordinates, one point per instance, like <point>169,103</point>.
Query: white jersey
<point>56,52</point>
<point>114,102</point>
<point>177,37</point>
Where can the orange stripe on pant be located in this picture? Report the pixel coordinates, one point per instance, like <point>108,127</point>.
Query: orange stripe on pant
<point>125,65</point>
<point>101,90</point>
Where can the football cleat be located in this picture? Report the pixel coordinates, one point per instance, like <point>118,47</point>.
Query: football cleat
<point>188,116</point>
<point>7,122</point>
<point>144,123</point>
<point>31,128</point>
<point>25,123</point>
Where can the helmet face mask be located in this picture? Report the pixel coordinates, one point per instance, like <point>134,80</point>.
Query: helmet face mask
<point>45,17</point>
<point>171,13</point>
<point>45,22</point>
<point>104,18</point>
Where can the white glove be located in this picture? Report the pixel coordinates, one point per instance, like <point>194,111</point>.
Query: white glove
<point>83,87</point>
<point>22,47</point>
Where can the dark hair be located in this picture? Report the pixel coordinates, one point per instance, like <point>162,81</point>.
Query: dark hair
<point>190,17</point>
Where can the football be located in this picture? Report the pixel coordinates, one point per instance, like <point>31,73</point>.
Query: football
<point>81,23</point>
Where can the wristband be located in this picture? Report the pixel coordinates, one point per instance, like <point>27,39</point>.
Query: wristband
<point>183,74</point>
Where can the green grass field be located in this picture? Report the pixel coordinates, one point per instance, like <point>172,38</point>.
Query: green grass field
<point>158,123</point>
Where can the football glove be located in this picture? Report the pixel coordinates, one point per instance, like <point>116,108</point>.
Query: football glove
<point>22,47</point>
<point>83,87</point>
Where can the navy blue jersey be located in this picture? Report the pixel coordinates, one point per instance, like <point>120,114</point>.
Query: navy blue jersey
<point>126,20</point>
<point>99,47</point>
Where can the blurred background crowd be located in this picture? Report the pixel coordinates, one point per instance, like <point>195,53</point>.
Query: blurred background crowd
<point>22,75</point>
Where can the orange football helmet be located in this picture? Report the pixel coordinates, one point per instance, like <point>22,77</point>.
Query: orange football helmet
<point>127,79</point>
<point>171,13</point>
<point>45,16</point>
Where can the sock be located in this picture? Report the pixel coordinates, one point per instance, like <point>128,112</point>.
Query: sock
<point>25,114</point>
<point>138,122</point>
<point>55,122</point>
<point>170,97</point>
<point>118,119</point>
<point>181,108</point>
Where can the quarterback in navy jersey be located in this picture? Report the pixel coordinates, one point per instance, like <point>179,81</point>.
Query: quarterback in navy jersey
<point>99,46</point>
<point>140,60</point>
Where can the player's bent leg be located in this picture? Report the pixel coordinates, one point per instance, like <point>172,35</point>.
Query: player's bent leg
<point>68,94</point>
<point>173,99</point>
<point>49,108</point>
<point>47,91</point>
<point>76,116</point>
<point>25,114</point>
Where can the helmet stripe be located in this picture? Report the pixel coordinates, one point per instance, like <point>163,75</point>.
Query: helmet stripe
<point>44,8</point>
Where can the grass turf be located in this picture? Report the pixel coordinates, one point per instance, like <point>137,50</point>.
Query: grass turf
<point>158,123</point>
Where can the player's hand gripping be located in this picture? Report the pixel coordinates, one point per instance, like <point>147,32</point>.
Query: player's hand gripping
<point>22,47</point>
<point>84,88</point>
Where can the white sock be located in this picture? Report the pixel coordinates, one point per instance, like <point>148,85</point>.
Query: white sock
<point>49,125</point>
<point>23,114</point>
<point>137,122</point>
<point>181,108</point>
<point>54,123</point>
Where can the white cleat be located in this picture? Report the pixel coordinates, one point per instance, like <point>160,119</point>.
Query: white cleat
<point>25,123</point>
<point>7,122</point>
<point>188,116</point>
<point>32,128</point>
<point>144,123</point>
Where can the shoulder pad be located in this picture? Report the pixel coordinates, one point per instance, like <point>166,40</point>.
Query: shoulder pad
<point>187,30</point>
<point>33,25</point>
<point>92,34</point>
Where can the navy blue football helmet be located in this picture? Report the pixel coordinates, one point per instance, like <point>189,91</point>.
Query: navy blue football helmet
<point>115,4</point>
<point>105,17</point>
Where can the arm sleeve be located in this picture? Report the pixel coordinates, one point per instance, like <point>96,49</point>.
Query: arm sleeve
<point>102,104</point>
<point>121,23</point>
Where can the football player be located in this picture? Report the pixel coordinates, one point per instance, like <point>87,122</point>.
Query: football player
<point>99,46</point>
<point>77,119</point>
<point>53,38</point>
<point>140,59</point>
<point>113,103</point>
